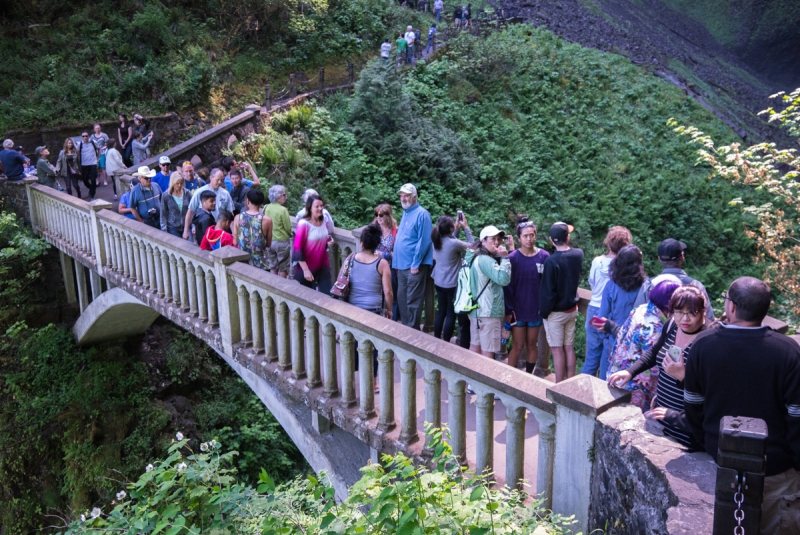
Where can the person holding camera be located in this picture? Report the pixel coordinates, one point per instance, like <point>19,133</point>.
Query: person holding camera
<point>447,250</point>
<point>145,199</point>
<point>688,306</point>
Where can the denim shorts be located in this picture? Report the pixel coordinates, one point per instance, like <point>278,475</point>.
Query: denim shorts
<point>529,323</point>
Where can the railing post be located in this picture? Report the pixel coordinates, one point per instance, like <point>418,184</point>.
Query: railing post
<point>298,345</point>
<point>347,344</point>
<point>408,400</point>
<point>270,329</point>
<point>321,78</point>
<point>579,401</point>
<point>227,299</point>
<point>386,374</point>
<point>484,434</point>
<point>312,350</point>
<point>331,386</point>
<point>433,403</point>
<point>283,336</point>
<point>457,417</point>
<point>544,474</point>
<point>268,95</point>
<point>515,447</point>
<point>366,381</point>
<point>98,240</point>
<point>740,471</point>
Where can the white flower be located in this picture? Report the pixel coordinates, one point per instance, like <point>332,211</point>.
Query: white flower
<point>181,467</point>
<point>96,512</point>
<point>179,436</point>
<point>203,447</point>
<point>121,495</point>
<point>213,444</point>
<point>83,518</point>
<point>149,468</point>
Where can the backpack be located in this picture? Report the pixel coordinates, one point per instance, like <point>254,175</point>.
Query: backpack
<point>464,301</point>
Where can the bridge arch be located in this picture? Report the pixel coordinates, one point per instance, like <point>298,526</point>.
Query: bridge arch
<point>113,314</point>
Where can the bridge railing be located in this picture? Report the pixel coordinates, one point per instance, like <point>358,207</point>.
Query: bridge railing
<point>63,220</point>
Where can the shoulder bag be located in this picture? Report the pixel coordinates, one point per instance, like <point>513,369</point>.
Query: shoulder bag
<point>341,288</point>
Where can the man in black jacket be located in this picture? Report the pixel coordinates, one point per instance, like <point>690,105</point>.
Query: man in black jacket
<point>744,369</point>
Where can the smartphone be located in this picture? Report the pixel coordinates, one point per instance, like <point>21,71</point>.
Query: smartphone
<point>675,353</point>
<point>460,215</point>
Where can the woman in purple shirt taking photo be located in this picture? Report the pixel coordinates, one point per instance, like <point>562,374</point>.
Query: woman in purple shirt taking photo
<point>522,295</point>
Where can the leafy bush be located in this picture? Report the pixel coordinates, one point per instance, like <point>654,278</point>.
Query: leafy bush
<point>198,491</point>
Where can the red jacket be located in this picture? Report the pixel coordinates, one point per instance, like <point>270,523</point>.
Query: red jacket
<point>214,239</point>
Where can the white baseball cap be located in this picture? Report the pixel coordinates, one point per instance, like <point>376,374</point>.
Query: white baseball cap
<point>164,159</point>
<point>408,189</point>
<point>492,231</point>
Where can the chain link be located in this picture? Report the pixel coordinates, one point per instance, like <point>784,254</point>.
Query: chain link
<point>738,514</point>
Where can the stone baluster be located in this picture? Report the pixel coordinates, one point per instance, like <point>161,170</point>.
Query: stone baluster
<point>284,334</point>
<point>331,385</point>
<point>200,283</point>
<point>484,433</point>
<point>366,381</point>
<point>173,272</point>
<point>386,375</point>
<point>270,329</point>
<point>211,299</point>
<point>97,239</point>
<point>125,266</point>
<point>433,402</point>
<point>108,247</point>
<point>347,344</point>
<point>298,345</point>
<point>544,473</point>
<point>226,298</point>
<point>184,285</point>
<point>457,417</point>
<point>73,228</point>
<point>256,322</point>
<point>579,401</point>
<point>131,271</point>
<point>151,270</point>
<point>408,399</point>
<point>515,447</point>
<point>139,256</point>
<point>191,282</point>
<point>157,253</point>
<point>312,345</point>
<point>166,274</point>
<point>244,315</point>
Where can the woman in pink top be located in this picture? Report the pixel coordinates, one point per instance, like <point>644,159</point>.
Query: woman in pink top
<point>310,250</point>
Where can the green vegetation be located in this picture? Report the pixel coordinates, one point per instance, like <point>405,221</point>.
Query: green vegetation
<point>72,62</point>
<point>197,491</point>
<point>74,420</point>
<point>523,121</point>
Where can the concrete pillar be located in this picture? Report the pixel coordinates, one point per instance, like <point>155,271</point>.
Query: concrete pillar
<point>271,331</point>
<point>243,302</point>
<point>96,282</point>
<point>331,387</point>
<point>298,345</point>
<point>184,285</point>
<point>283,337</point>
<point>200,282</point>
<point>579,400</point>
<point>457,417</point>
<point>97,237</point>
<point>68,273</point>
<point>386,373</point>
<point>547,450</point>
<point>433,402</point>
<point>515,446</point>
<point>347,343</point>
<point>408,400</point>
<point>366,381</point>
<point>313,353</point>
<point>484,433</point>
<point>152,282</point>
<point>83,290</point>
<point>228,310</point>
<point>257,322</point>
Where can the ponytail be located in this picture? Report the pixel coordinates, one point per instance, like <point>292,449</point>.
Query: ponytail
<point>444,227</point>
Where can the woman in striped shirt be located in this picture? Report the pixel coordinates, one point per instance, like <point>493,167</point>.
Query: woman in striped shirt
<point>668,354</point>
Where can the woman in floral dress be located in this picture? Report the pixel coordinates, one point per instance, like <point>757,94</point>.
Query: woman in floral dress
<point>252,230</point>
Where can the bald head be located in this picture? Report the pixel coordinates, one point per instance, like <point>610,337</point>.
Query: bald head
<point>751,298</point>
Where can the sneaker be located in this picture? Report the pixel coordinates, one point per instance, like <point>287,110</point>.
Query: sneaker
<point>470,391</point>
<point>115,196</point>
<point>91,199</point>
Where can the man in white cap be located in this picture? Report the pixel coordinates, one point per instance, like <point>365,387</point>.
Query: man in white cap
<point>145,199</point>
<point>164,171</point>
<point>558,299</point>
<point>410,38</point>
<point>413,257</point>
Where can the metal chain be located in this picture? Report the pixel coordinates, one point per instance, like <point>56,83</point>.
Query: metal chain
<point>738,514</point>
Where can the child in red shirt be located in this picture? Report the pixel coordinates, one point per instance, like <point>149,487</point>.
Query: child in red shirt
<point>220,234</point>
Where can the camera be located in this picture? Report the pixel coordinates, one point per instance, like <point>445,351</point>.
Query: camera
<point>152,212</point>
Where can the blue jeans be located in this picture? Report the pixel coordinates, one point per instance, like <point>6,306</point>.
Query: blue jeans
<point>410,54</point>
<point>438,15</point>
<point>323,281</point>
<point>596,348</point>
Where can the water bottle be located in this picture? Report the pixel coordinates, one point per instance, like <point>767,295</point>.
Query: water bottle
<point>505,334</point>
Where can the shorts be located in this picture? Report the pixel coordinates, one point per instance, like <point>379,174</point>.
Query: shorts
<point>529,323</point>
<point>487,331</point>
<point>560,328</point>
<point>102,161</point>
<point>279,255</point>
<point>780,510</point>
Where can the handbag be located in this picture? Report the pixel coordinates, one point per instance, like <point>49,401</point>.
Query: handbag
<point>341,288</point>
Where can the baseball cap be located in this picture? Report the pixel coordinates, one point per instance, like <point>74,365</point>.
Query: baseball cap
<point>559,232</point>
<point>491,231</point>
<point>671,249</point>
<point>40,149</point>
<point>19,148</point>
<point>134,181</point>
<point>409,189</point>
<point>164,159</point>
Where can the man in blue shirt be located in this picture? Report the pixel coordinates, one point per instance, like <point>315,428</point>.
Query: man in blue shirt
<point>191,181</point>
<point>145,199</point>
<point>229,164</point>
<point>162,177</point>
<point>13,162</point>
<point>413,257</point>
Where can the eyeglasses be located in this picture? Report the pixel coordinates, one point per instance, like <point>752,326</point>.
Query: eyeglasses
<point>686,313</point>
<point>724,295</point>
<point>527,224</point>
<point>84,135</point>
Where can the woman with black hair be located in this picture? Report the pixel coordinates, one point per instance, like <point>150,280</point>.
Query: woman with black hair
<point>310,250</point>
<point>447,250</point>
<point>522,295</point>
<point>627,276</point>
<point>125,137</point>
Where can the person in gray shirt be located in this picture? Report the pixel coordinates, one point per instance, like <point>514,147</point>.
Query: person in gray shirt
<point>447,254</point>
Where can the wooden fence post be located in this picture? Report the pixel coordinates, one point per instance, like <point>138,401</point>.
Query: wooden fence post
<point>350,74</point>
<point>321,78</point>
<point>292,86</point>
<point>267,91</point>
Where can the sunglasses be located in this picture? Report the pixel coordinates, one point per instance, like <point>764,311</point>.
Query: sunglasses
<point>724,295</point>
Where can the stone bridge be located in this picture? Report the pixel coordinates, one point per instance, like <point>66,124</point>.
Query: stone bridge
<point>577,443</point>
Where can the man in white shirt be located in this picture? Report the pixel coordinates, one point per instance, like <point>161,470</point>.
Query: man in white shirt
<point>87,153</point>
<point>410,38</point>
<point>224,200</point>
<point>438,6</point>
<point>386,49</point>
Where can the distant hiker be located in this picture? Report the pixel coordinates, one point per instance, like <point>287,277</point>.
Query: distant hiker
<point>418,41</point>
<point>100,141</point>
<point>671,256</point>
<point>114,163</point>
<point>238,191</point>
<point>87,156</point>
<point>219,235</point>
<point>45,171</point>
<point>468,16</point>
<point>410,38</point>
<point>402,48</point>
<point>13,162</point>
<point>174,205</point>
<point>457,17</point>
<point>431,38</point>
<point>422,5</point>
<point>140,143</point>
<point>125,136</point>
<point>386,49</point>
<point>145,199</point>
<point>558,299</point>
<point>413,256</point>
<point>68,167</point>
<point>438,6</point>
<point>280,250</point>
<point>252,230</point>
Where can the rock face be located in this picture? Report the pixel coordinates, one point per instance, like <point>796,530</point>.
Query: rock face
<point>648,484</point>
